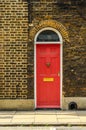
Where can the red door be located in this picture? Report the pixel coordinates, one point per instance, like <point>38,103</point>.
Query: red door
<point>48,75</point>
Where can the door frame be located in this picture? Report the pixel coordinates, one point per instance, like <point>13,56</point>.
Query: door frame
<point>61,62</point>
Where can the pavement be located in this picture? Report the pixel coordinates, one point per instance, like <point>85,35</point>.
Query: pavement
<point>42,128</point>
<point>43,118</point>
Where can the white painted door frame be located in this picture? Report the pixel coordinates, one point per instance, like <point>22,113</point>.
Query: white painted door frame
<point>61,61</point>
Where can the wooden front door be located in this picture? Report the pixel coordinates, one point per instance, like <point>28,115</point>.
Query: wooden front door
<point>48,75</point>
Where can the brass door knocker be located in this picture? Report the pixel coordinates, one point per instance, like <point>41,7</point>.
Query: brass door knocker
<point>48,64</point>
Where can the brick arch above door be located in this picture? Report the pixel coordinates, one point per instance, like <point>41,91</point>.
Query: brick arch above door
<point>49,23</point>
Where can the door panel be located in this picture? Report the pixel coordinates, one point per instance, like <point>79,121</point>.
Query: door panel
<point>47,75</point>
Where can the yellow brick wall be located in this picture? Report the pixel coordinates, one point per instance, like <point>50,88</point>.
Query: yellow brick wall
<point>13,48</point>
<point>17,46</point>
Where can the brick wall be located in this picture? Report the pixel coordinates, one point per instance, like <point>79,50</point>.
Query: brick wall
<point>17,51</point>
<point>74,58</point>
<point>13,48</point>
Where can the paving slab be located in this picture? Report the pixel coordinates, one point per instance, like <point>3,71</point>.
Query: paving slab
<point>5,120</point>
<point>81,113</point>
<point>65,113</point>
<point>25,113</point>
<point>7,112</point>
<point>23,121</point>
<point>67,116</point>
<point>70,128</point>
<point>45,112</point>
<point>5,116</point>
<point>69,120</point>
<point>23,116</point>
<point>82,119</point>
<point>26,128</point>
<point>45,119</point>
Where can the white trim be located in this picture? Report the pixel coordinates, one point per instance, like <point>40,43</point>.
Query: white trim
<point>61,59</point>
<point>35,74</point>
<point>61,72</point>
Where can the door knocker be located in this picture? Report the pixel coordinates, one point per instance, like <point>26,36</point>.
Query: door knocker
<point>48,64</point>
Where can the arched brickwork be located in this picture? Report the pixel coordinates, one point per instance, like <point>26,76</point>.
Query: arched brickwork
<point>49,23</point>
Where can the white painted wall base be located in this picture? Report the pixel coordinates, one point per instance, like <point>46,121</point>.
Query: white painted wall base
<point>81,102</point>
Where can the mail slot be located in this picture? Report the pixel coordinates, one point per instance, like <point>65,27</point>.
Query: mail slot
<point>48,79</point>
